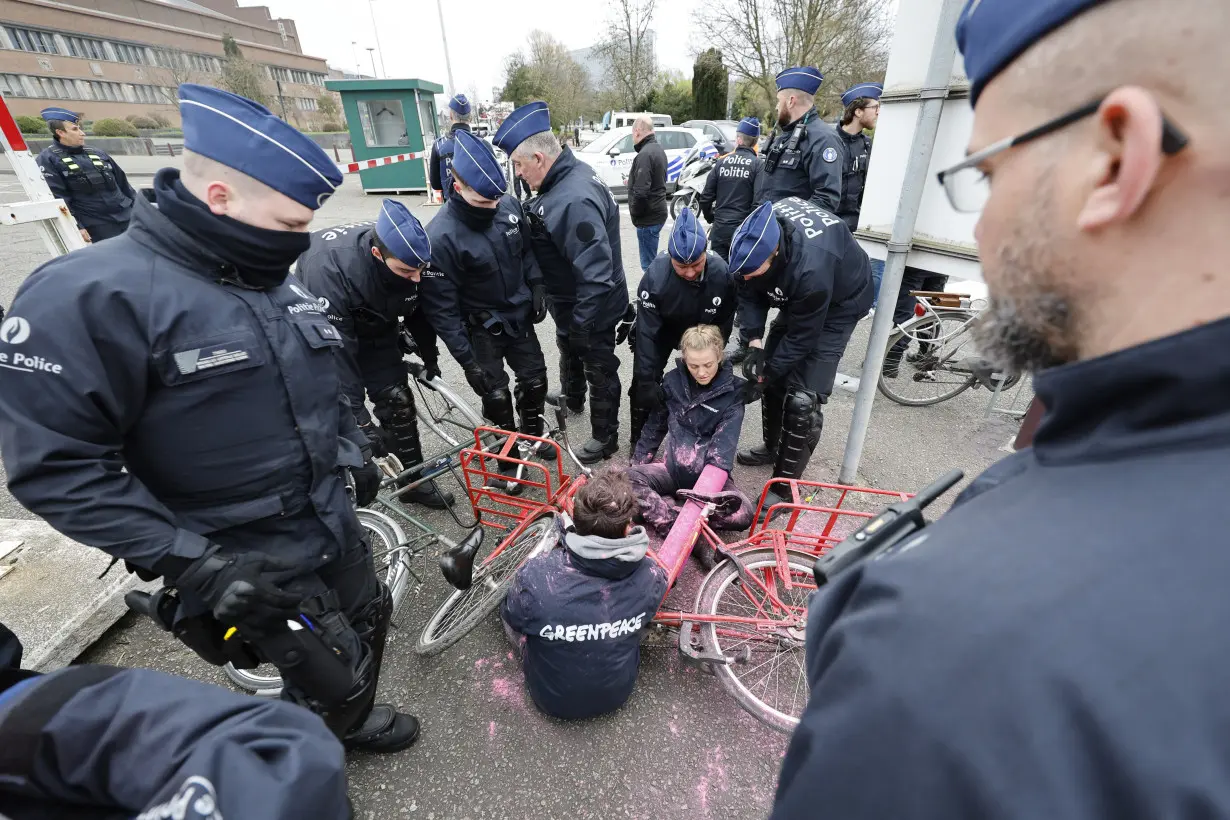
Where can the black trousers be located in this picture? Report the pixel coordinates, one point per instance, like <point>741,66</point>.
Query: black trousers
<point>719,239</point>
<point>818,369</point>
<point>522,353</point>
<point>600,367</point>
<point>913,279</point>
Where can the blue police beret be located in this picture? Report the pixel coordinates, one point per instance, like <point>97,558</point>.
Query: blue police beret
<point>993,33</point>
<point>402,234</point>
<point>749,126</point>
<point>687,243</point>
<point>755,240</point>
<point>54,113</point>
<point>805,78</point>
<point>870,90</point>
<point>461,104</point>
<point>524,122</point>
<point>246,136</point>
<point>475,162</point>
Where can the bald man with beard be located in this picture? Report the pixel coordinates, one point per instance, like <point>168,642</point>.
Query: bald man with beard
<point>1053,646</point>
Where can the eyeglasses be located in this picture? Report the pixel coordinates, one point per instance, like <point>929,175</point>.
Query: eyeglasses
<point>968,188</point>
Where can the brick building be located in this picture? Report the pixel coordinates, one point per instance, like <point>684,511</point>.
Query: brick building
<point>115,58</point>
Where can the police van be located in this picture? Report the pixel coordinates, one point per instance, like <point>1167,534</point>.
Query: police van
<point>611,154</point>
<point>625,119</point>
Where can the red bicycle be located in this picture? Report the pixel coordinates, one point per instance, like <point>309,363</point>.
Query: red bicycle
<point>748,622</point>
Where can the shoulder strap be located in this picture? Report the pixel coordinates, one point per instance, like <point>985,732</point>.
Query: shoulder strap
<point>22,728</point>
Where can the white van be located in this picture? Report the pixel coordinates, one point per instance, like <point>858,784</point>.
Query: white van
<point>625,119</point>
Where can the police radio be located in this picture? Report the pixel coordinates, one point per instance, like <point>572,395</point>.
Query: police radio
<point>881,533</point>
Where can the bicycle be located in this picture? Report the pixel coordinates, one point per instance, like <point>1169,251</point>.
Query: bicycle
<point>749,620</point>
<point>931,357</point>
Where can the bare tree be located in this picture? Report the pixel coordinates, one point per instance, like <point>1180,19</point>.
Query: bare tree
<point>846,39</point>
<point>172,71</point>
<point>564,84</point>
<point>628,51</point>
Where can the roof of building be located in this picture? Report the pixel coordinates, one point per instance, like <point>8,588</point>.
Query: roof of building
<point>188,5</point>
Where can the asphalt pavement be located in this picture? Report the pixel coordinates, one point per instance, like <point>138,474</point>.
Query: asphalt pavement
<point>681,748</point>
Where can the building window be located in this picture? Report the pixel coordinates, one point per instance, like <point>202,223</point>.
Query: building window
<point>300,77</point>
<point>148,94</point>
<point>170,59</point>
<point>306,103</point>
<point>54,88</point>
<point>384,123</point>
<point>27,39</point>
<point>85,47</point>
<point>201,62</point>
<point>130,54</point>
<point>280,74</point>
<point>11,85</point>
<point>106,91</point>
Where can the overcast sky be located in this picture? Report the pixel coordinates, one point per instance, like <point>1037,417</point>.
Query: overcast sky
<point>481,33</point>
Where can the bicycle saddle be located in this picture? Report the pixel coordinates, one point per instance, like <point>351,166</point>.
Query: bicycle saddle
<point>457,564</point>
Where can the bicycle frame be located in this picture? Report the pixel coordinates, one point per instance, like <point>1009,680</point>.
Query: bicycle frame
<point>495,506</point>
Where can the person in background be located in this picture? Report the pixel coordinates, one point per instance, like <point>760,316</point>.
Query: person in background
<point>699,418</point>
<point>805,160</point>
<point>91,183</point>
<point>862,111</point>
<point>578,613</point>
<point>647,190</point>
<point>440,162</point>
<point>100,741</point>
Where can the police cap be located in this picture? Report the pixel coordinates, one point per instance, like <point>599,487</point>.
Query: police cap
<point>475,162</point>
<point>687,242</point>
<point>755,240</point>
<point>524,122</point>
<point>402,234</point>
<point>805,78</point>
<point>869,90</point>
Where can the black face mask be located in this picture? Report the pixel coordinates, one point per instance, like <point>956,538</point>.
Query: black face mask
<point>261,257</point>
<point>391,281</point>
<point>472,215</point>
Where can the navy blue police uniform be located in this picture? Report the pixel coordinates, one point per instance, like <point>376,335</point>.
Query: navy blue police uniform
<point>104,743</point>
<point>172,398</point>
<point>855,158</point>
<point>91,183</point>
<point>805,159</point>
<point>820,281</point>
<point>574,228</point>
<point>583,617</point>
<point>367,304</point>
<point>440,162</point>
<point>728,196</point>
<point>668,305</point>
<point>482,288</point>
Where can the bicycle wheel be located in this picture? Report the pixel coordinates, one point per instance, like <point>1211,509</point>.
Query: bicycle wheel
<point>392,562</point>
<point>930,369</point>
<point>768,677</point>
<point>445,412</point>
<point>465,609</point>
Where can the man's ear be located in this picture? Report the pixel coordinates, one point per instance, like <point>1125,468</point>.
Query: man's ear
<point>377,255</point>
<point>1127,157</point>
<point>219,197</point>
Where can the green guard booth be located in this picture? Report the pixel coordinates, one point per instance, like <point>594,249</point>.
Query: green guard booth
<point>388,117</point>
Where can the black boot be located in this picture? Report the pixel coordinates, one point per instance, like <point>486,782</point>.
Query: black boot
<point>410,452</point>
<point>604,423</point>
<point>571,377</point>
<point>802,423</point>
<point>429,495</point>
<point>498,408</point>
<point>770,428</point>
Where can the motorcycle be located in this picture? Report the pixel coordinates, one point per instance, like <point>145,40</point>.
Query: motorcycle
<point>691,182</point>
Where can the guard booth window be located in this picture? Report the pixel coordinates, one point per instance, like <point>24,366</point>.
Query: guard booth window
<point>384,123</point>
<point>427,116</point>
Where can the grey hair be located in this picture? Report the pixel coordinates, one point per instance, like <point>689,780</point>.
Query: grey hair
<point>745,140</point>
<point>544,142</point>
<point>645,124</point>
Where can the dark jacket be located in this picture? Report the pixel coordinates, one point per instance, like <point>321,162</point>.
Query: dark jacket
<point>107,743</point>
<point>701,424</point>
<point>365,302</point>
<point>574,226</point>
<point>482,265</point>
<point>820,272</point>
<point>582,619</point>
<point>91,183</point>
<point>647,184</point>
<point>440,163</point>
<point>1043,649</point>
<point>156,404</point>
<point>669,305</point>
<point>811,170</point>
<point>855,158</point>
<point>727,198</point>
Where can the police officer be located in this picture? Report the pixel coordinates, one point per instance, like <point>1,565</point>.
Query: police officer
<point>727,198</point>
<point>367,276</point>
<point>1052,629</point>
<point>131,742</point>
<point>484,291</point>
<point>805,160</point>
<point>172,397</point>
<point>684,287</point>
<point>90,182</point>
<point>440,162</point>
<point>574,227</point>
<point>862,111</point>
<point>802,260</point>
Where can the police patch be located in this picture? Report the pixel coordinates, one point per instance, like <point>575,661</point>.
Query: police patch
<point>829,154</point>
<point>586,232</point>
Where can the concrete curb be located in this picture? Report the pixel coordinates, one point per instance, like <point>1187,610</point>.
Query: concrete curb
<point>51,595</point>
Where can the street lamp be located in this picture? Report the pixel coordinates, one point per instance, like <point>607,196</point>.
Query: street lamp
<point>371,53</point>
<point>448,64</point>
<point>376,30</point>
<point>354,48</point>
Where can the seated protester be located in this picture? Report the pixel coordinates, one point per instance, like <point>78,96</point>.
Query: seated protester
<point>700,418</point>
<point>582,609</point>
<point>99,741</point>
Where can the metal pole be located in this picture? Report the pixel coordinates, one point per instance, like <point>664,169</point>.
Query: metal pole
<point>935,91</point>
<point>371,53</point>
<point>354,48</point>
<point>448,64</point>
<point>376,31</point>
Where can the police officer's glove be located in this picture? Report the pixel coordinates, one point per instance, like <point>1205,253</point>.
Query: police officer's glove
<point>753,365</point>
<point>366,478</point>
<point>406,343</point>
<point>624,330</point>
<point>753,390</point>
<point>236,588</point>
<point>431,367</point>
<point>477,378</point>
<point>650,395</point>
<point>579,341</point>
<point>375,440</point>
<point>539,294</point>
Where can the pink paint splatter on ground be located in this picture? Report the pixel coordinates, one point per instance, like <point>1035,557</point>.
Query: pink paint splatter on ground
<point>510,656</point>
<point>479,664</point>
<point>715,770</point>
<point>491,730</point>
<point>674,727</point>
<point>702,794</point>
<point>508,692</point>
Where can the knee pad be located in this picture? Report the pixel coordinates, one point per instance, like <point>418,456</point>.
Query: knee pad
<point>799,402</point>
<point>498,406</point>
<point>532,389</point>
<point>394,405</point>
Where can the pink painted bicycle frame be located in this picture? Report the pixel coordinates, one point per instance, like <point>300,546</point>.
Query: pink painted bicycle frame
<point>683,533</point>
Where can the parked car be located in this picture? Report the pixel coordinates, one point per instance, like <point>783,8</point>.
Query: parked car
<point>611,154</point>
<point>720,132</point>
